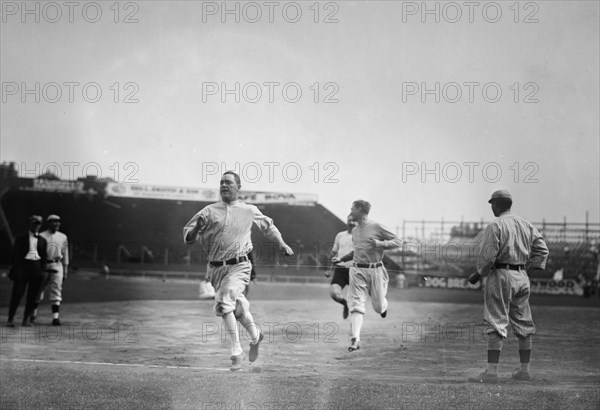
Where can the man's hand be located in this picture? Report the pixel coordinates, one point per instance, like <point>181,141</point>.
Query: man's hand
<point>376,243</point>
<point>200,222</point>
<point>286,250</point>
<point>335,260</point>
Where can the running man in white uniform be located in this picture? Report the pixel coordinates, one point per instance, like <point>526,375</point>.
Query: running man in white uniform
<point>223,229</point>
<point>368,276</point>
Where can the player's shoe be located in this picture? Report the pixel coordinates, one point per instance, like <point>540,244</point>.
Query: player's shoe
<point>236,362</point>
<point>32,320</point>
<point>26,323</point>
<point>484,377</point>
<point>355,345</point>
<point>253,355</point>
<point>519,374</point>
<point>10,323</point>
<point>56,322</point>
<point>384,314</point>
<point>346,311</point>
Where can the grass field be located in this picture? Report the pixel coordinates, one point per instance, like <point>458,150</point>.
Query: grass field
<point>153,345</point>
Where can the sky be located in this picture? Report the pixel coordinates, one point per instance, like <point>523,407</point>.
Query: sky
<point>423,109</point>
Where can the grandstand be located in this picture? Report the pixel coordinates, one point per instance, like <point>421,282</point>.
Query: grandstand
<point>139,227</point>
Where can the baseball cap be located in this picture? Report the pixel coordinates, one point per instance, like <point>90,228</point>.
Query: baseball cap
<point>53,218</point>
<point>35,218</point>
<point>500,194</point>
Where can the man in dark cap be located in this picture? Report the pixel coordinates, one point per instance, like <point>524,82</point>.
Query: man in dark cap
<point>28,265</point>
<point>508,244</point>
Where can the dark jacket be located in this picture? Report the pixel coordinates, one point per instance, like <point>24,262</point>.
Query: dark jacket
<point>20,250</point>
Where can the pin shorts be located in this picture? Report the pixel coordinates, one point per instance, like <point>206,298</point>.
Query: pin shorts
<point>229,282</point>
<point>365,282</point>
<point>52,283</point>
<point>506,302</point>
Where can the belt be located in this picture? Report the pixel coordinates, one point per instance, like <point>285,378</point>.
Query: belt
<point>55,260</point>
<point>232,261</point>
<point>368,265</point>
<point>508,266</point>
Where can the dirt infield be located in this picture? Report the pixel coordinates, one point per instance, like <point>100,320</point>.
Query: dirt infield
<point>171,354</point>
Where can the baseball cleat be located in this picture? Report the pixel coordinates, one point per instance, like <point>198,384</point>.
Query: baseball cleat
<point>253,355</point>
<point>384,314</point>
<point>26,323</point>
<point>355,345</point>
<point>32,320</point>
<point>236,362</point>
<point>519,374</point>
<point>346,311</point>
<point>10,323</point>
<point>55,322</point>
<point>484,378</point>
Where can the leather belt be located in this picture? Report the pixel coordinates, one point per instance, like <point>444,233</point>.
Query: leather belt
<point>368,265</point>
<point>232,261</point>
<point>55,260</point>
<point>509,266</point>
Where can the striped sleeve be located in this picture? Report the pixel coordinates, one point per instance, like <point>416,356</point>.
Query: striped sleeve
<point>266,226</point>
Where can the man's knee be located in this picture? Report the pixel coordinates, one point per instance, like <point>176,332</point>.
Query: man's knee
<point>222,309</point>
<point>494,341</point>
<point>525,342</point>
<point>241,307</point>
<point>335,291</point>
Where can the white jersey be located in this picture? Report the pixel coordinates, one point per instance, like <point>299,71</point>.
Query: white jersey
<point>58,247</point>
<point>342,246</point>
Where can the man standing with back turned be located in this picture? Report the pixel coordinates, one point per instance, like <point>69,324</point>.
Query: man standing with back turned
<point>224,230</point>
<point>509,242</point>
<point>368,276</point>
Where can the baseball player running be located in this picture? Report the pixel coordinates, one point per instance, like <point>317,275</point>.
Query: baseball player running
<point>509,242</point>
<point>224,231</point>
<point>342,246</point>
<point>57,268</point>
<point>368,276</point>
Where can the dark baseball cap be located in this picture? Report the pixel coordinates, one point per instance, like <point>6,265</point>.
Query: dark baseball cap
<point>500,194</point>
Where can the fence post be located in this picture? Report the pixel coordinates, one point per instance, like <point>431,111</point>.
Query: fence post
<point>403,239</point>
<point>587,215</point>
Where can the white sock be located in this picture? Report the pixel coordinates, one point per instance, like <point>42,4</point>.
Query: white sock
<point>248,322</point>
<point>232,331</point>
<point>55,315</point>
<point>357,321</point>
